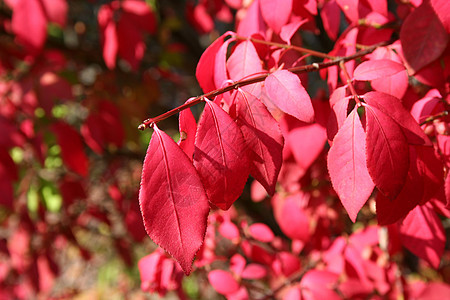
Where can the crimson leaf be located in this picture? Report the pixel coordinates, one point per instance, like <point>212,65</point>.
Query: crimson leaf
<point>220,156</point>
<point>173,201</point>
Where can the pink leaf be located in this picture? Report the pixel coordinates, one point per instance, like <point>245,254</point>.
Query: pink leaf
<point>387,152</point>
<point>286,91</point>
<point>374,69</point>
<point>173,202</point>
<point>188,128</point>
<point>223,282</point>
<point>319,284</point>
<point>263,137</point>
<point>293,221</point>
<point>261,232</point>
<point>220,156</point>
<point>423,234</point>
<point>423,37</point>
<point>393,107</point>
<point>347,165</point>
<point>276,13</point>
<point>244,61</point>
<point>254,271</point>
<point>306,141</point>
<point>253,21</point>
<point>220,64</point>
<point>229,230</point>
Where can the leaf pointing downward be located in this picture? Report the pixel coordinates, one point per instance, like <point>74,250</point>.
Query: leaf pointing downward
<point>387,152</point>
<point>172,199</point>
<point>263,136</point>
<point>347,166</point>
<point>220,156</point>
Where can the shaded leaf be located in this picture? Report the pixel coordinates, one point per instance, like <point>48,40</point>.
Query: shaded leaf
<point>423,234</point>
<point>423,37</point>
<point>72,149</point>
<point>220,156</point>
<point>387,152</point>
<point>263,137</point>
<point>393,107</point>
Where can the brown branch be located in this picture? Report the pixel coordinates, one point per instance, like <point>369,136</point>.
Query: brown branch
<point>297,70</point>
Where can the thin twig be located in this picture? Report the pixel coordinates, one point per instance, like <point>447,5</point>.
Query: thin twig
<point>297,70</point>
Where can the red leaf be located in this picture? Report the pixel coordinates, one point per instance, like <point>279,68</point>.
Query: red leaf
<point>390,211</point>
<point>387,152</point>
<point>56,11</point>
<point>8,174</point>
<point>276,13</point>
<point>286,91</point>
<point>220,156</point>
<point>423,37</point>
<point>347,165</point>
<point>108,34</point>
<point>244,61</point>
<point>188,127</point>
<point>331,17</point>
<point>423,234</point>
<point>173,202</point>
<point>374,69</point>
<point>392,107</point>
<point>129,38</point>
<point>223,282</point>
<point>72,149</point>
<point>261,232</point>
<point>206,65</point>
<point>263,137</point>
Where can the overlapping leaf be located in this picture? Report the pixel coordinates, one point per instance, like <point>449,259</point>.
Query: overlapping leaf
<point>263,137</point>
<point>393,108</point>
<point>423,234</point>
<point>423,37</point>
<point>221,156</point>
<point>374,69</point>
<point>347,165</point>
<point>286,91</point>
<point>387,152</point>
<point>173,201</point>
